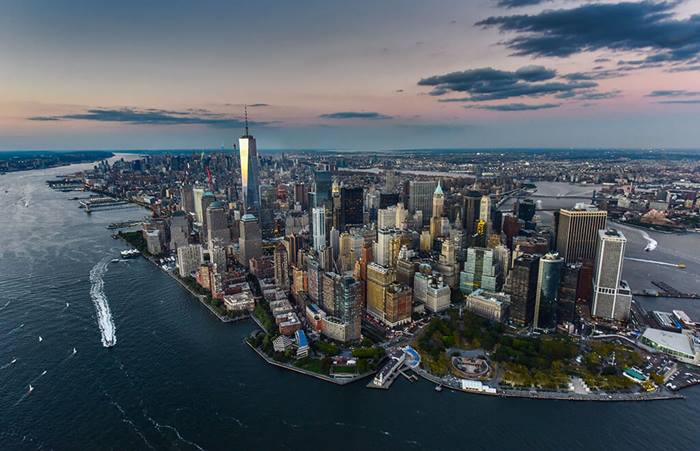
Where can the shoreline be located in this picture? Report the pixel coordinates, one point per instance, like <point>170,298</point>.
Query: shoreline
<point>286,366</point>
<point>201,298</point>
<point>554,395</point>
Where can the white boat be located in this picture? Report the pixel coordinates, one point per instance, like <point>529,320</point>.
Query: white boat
<point>75,351</point>
<point>130,253</point>
<point>31,389</point>
<point>40,339</point>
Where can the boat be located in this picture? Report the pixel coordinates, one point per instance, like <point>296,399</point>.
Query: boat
<point>31,389</point>
<point>115,260</point>
<point>40,339</point>
<point>438,388</point>
<point>130,253</point>
<point>75,351</point>
<point>681,266</point>
<point>13,361</point>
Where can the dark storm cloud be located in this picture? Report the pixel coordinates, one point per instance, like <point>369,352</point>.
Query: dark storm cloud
<point>518,3</point>
<point>646,26</point>
<point>515,107</point>
<point>355,115</point>
<point>150,116</point>
<point>673,93</point>
<point>491,84</point>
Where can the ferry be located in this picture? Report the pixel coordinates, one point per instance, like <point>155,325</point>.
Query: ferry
<point>130,253</point>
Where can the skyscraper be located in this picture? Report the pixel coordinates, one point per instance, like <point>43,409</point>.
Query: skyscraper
<point>472,210</point>
<point>322,189</point>
<point>348,305</point>
<point>318,219</point>
<point>281,267</point>
<point>612,297</point>
<point>217,225</point>
<point>485,212</point>
<point>577,232</point>
<point>188,259</point>
<point>547,295</point>
<point>249,169</point>
<point>438,201</point>
<point>480,271</point>
<point>420,197</point>
<point>351,207</point>
<point>250,239</point>
<point>187,198</point>
<point>522,287</point>
<point>378,280</point>
<point>197,194</point>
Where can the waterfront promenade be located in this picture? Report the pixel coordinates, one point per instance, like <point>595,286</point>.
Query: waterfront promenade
<point>553,395</point>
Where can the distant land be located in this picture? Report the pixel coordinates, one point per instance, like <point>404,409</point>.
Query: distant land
<point>73,156</point>
<point>13,161</point>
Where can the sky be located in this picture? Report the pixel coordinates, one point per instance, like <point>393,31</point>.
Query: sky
<point>349,75</point>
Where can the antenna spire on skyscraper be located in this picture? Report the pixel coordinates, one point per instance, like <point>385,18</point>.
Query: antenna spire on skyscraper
<point>245,109</point>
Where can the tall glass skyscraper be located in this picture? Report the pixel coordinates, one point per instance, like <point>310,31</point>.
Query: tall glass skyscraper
<point>547,295</point>
<point>249,170</point>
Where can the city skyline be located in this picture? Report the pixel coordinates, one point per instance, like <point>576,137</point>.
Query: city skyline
<point>360,76</point>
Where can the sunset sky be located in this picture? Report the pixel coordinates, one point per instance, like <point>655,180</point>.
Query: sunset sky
<point>360,74</point>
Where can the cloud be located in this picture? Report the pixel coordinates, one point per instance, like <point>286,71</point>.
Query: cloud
<point>151,116</point>
<point>372,115</point>
<point>519,3</point>
<point>673,93</point>
<point>487,83</point>
<point>681,102</point>
<point>590,95</point>
<point>512,107</point>
<point>645,26</point>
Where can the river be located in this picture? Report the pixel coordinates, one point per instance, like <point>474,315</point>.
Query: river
<point>178,378</point>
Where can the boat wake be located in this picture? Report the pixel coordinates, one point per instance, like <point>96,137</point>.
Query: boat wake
<point>160,427</point>
<point>7,365</point>
<point>651,243</point>
<point>97,293</point>
<point>5,306</point>
<point>16,329</point>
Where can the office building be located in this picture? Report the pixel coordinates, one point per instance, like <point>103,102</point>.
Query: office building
<point>249,170</point>
<point>547,296</point>
<point>180,230</point>
<point>217,224</point>
<point>472,211</point>
<point>397,305</point>
<point>437,295</point>
<point>197,195</point>
<point>522,286</point>
<point>480,271</point>
<point>420,197</point>
<point>577,232</point>
<point>351,207</point>
<point>187,198</point>
<point>612,297</point>
<point>378,280</point>
<point>249,240</point>
<point>318,225</point>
